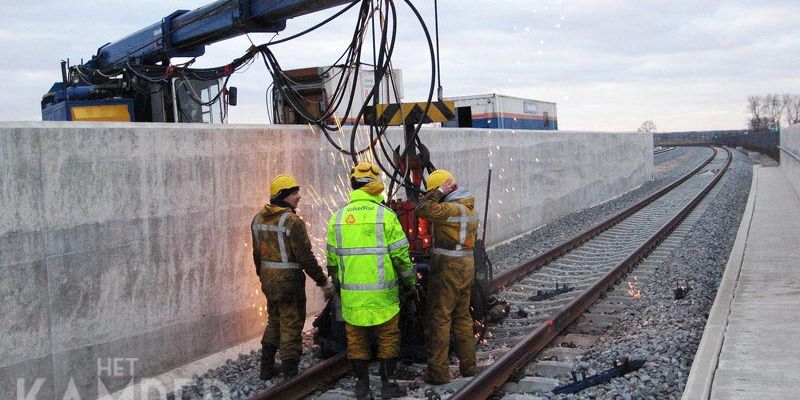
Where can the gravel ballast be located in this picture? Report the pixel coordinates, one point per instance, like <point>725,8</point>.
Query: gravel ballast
<point>663,331</point>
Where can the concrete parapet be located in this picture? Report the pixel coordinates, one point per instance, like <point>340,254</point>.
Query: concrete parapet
<point>131,241</point>
<point>790,154</point>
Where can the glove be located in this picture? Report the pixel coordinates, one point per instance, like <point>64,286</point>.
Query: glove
<point>328,290</point>
<point>410,292</point>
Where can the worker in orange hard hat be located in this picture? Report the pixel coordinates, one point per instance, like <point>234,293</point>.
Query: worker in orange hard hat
<point>282,252</point>
<point>451,210</point>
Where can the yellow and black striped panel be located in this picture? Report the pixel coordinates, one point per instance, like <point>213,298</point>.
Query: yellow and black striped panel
<point>402,113</point>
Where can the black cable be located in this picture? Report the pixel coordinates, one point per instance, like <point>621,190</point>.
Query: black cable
<point>438,61</point>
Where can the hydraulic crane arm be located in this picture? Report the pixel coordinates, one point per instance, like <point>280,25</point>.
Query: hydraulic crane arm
<point>115,86</point>
<point>185,33</point>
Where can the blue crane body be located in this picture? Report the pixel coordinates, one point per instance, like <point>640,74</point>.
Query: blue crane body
<point>109,87</point>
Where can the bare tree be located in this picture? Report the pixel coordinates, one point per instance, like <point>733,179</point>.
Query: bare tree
<point>765,112</point>
<point>647,126</point>
<point>791,103</point>
<point>756,110</point>
<point>774,110</point>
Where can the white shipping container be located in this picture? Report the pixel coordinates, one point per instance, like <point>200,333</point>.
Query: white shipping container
<point>318,85</point>
<point>503,112</point>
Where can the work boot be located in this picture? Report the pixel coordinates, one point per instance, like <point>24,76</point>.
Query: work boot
<point>468,371</point>
<point>361,371</point>
<point>268,361</point>
<point>389,387</point>
<point>290,367</point>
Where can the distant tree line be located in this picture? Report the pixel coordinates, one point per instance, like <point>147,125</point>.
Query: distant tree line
<point>767,112</point>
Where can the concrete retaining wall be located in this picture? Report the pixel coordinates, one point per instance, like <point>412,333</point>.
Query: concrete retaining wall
<point>132,240</point>
<point>790,143</point>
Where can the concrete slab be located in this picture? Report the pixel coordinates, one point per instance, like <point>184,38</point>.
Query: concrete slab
<point>550,369</point>
<point>531,384</point>
<point>749,349</point>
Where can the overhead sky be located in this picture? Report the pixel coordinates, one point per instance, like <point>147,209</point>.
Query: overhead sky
<point>609,65</point>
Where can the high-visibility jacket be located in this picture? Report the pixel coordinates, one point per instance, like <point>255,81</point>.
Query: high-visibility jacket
<point>455,225</point>
<point>282,251</point>
<point>368,252</point>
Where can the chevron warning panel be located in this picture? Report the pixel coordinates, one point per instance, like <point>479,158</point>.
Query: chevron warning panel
<point>402,113</point>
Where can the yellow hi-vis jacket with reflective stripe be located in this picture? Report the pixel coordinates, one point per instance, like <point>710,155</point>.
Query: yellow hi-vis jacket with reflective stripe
<point>367,253</point>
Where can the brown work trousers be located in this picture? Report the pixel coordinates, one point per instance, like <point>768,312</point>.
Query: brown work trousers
<point>449,290</point>
<point>286,306</point>
<point>388,334</point>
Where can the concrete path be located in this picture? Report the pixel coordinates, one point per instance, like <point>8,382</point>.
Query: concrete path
<point>751,346</point>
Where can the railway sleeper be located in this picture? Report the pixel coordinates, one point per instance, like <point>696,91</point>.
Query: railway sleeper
<point>550,369</point>
<point>556,353</point>
<point>531,384</point>
<point>576,340</point>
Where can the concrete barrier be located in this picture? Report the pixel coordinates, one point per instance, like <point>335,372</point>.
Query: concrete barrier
<point>125,248</point>
<point>790,154</point>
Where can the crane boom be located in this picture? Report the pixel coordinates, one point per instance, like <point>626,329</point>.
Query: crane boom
<point>131,79</point>
<point>185,33</point>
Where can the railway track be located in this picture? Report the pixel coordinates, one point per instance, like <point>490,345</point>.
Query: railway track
<point>592,268</point>
<point>588,264</point>
<point>663,150</point>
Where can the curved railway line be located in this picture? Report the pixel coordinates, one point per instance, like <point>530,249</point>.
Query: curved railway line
<point>589,264</point>
<point>663,150</point>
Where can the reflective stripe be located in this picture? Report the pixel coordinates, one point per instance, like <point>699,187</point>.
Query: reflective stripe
<point>380,250</point>
<point>360,251</point>
<point>453,253</point>
<point>271,228</point>
<point>463,220</point>
<point>279,265</point>
<point>338,228</point>
<point>379,245</point>
<point>398,244</point>
<point>281,241</point>
<point>407,273</point>
<point>379,286</point>
<point>462,225</point>
<point>282,232</point>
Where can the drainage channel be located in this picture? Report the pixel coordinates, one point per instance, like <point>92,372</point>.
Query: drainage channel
<point>322,374</point>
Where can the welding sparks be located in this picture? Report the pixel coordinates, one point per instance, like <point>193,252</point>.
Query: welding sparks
<point>633,288</point>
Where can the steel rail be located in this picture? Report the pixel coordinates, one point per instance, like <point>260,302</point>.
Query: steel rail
<point>320,375</point>
<point>312,379</point>
<point>664,150</point>
<point>514,275</point>
<point>491,379</point>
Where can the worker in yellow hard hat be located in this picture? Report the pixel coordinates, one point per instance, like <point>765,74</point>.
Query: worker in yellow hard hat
<point>451,210</point>
<point>367,259</point>
<point>282,252</point>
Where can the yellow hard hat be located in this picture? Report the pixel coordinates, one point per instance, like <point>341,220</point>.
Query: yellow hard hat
<point>281,182</point>
<point>365,171</point>
<point>437,178</point>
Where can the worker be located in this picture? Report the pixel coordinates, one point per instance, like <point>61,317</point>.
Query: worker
<point>367,256</point>
<point>281,252</point>
<point>451,210</point>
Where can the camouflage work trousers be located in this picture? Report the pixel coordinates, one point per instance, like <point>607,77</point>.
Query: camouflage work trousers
<point>388,334</point>
<point>286,316</point>
<point>449,289</point>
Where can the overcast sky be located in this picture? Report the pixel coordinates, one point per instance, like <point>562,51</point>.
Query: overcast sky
<point>609,65</point>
